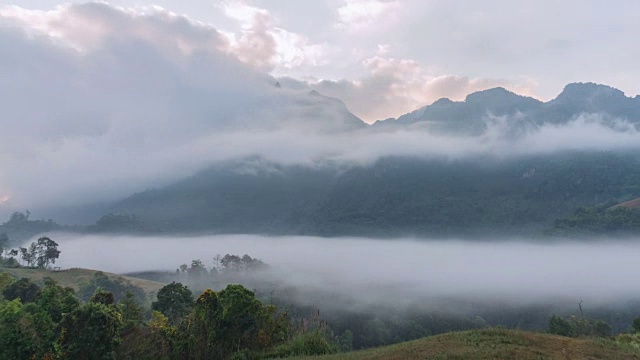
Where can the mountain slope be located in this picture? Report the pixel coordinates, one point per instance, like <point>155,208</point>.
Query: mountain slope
<point>391,197</point>
<point>496,343</point>
<point>477,111</point>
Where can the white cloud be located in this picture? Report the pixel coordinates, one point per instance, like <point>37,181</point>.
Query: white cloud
<point>266,46</point>
<point>397,86</point>
<point>357,14</point>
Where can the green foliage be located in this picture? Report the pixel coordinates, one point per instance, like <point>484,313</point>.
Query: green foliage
<point>102,297</point>
<point>56,300</point>
<point>594,221</point>
<point>119,223</point>
<point>309,343</point>
<point>5,281</point>
<point>26,331</point>
<point>40,253</point>
<point>90,332</point>
<point>117,286</point>
<point>392,196</point>
<point>560,326</point>
<point>204,329</point>
<point>20,227</point>
<point>174,301</point>
<point>4,242</point>
<point>578,326</point>
<point>636,325</point>
<point>22,289</point>
<point>132,313</point>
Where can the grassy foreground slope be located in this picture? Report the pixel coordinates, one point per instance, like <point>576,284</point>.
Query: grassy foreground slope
<point>75,277</point>
<point>496,343</point>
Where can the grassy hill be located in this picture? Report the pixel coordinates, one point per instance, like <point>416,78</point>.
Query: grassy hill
<point>497,343</point>
<point>75,277</point>
<point>633,204</point>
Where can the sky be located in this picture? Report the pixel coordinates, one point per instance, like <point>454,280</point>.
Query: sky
<point>385,58</point>
<point>101,100</point>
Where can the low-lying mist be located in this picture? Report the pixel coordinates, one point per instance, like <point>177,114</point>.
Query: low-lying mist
<point>360,271</point>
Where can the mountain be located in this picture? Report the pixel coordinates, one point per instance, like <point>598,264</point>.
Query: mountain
<point>475,195</point>
<point>394,196</point>
<point>473,115</point>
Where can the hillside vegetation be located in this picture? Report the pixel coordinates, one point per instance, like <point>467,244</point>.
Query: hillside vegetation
<point>496,343</point>
<point>74,278</point>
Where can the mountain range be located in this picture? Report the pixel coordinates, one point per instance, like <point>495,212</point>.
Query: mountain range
<point>411,195</point>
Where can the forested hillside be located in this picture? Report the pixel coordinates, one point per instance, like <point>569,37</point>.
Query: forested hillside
<point>393,196</point>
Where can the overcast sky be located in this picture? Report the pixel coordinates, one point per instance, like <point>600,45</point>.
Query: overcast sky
<point>104,99</point>
<point>388,57</point>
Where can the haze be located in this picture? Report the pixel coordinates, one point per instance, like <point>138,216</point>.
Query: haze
<point>405,270</point>
<point>118,99</point>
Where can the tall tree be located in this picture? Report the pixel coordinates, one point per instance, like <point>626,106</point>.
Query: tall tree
<point>174,300</point>
<point>90,332</point>
<point>47,252</point>
<point>22,289</point>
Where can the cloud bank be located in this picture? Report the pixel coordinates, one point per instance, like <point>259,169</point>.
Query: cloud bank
<point>399,271</point>
<point>102,101</point>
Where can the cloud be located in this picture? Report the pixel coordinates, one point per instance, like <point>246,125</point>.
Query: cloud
<point>398,86</point>
<point>96,113</point>
<point>402,272</point>
<point>101,101</point>
<point>358,14</point>
<point>266,46</point>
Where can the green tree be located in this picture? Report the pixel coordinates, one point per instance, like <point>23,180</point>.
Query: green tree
<point>174,300</point>
<point>132,313</point>
<point>26,331</point>
<point>117,286</point>
<point>90,332</point>
<point>4,242</point>
<point>47,252</point>
<point>636,325</point>
<point>22,289</point>
<point>205,329</point>
<point>56,300</point>
<point>5,281</point>
<point>241,317</point>
<point>560,326</point>
<point>102,297</point>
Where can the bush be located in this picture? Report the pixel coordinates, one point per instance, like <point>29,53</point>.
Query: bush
<point>308,343</point>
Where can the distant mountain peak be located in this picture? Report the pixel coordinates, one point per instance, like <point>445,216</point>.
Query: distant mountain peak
<point>589,90</point>
<point>497,94</point>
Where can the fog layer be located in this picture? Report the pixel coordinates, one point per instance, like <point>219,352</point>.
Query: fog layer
<point>402,270</point>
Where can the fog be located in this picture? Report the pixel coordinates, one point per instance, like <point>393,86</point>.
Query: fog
<point>105,126</point>
<point>399,272</point>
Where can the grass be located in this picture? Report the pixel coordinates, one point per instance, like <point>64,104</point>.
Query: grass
<point>75,277</point>
<point>496,343</point>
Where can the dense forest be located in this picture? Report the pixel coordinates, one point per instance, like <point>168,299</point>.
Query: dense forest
<point>478,197</point>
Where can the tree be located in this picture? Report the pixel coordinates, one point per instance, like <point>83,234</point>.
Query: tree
<point>4,242</point>
<point>174,300</point>
<point>56,300</point>
<point>5,281</point>
<point>560,326</point>
<point>22,289</point>
<point>204,330</point>
<point>132,313</point>
<point>26,331</point>
<point>47,252</point>
<point>102,297</point>
<point>92,331</point>
<point>117,286</point>
<point>636,325</point>
<point>240,317</point>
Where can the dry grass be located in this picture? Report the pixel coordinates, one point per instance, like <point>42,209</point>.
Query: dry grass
<point>75,277</point>
<point>496,343</point>
<point>633,204</point>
